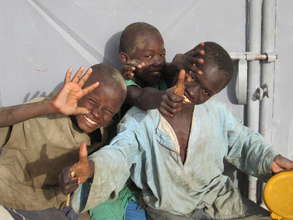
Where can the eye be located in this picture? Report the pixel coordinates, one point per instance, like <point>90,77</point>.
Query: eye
<point>148,56</point>
<point>206,92</point>
<point>108,112</point>
<point>163,54</point>
<point>92,101</point>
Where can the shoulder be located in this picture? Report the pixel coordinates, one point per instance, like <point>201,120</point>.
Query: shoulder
<point>130,82</point>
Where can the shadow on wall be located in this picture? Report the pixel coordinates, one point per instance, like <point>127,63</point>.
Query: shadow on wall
<point>111,54</point>
<point>29,96</point>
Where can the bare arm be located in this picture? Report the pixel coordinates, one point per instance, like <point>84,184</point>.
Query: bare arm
<point>144,98</point>
<point>65,101</point>
<point>18,113</point>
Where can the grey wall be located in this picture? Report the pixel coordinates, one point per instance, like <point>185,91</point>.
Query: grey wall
<point>41,38</point>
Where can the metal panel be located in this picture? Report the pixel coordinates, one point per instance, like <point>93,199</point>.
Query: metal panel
<point>50,35</point>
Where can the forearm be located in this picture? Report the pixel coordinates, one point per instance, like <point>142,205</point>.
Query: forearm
<point>147,98</point>
<point>108,178</point>
<point>170,74</point>
<point>18,113</point>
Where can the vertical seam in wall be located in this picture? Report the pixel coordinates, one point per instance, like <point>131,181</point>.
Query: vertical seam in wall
<point>81,46</point>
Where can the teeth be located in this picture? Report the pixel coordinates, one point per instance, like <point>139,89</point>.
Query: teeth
<point>90,121</point>
<point>186,100</point>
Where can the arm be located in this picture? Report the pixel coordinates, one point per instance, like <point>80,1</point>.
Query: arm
<point>105,172</point>
<point>65,101</point>
<point>248,150</point>
<point>18,113</point>
<point>144,98</point>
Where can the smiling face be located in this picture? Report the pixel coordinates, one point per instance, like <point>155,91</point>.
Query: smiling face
<point>144,43</point>
<point>103,103</point>
<point>199,88</point>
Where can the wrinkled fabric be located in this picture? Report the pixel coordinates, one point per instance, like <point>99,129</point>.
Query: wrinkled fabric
<point>33,154</point>
<point>146,148</point>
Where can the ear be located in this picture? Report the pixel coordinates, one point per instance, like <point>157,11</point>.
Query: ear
<point>123,57</point>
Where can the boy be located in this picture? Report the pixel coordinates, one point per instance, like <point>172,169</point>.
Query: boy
<point>34,151</point>
<point>177,161</point>
<point>142,54</point>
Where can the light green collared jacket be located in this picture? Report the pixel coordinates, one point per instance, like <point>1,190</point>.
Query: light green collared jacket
<point>147,150</point>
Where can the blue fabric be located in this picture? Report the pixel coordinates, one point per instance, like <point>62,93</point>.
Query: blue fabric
<point>146,148</point>
<point>134,212</point>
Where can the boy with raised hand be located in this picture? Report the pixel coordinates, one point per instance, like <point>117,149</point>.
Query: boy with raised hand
<point>35,151</point>
<point>142,54</point>
<point>178,162</point>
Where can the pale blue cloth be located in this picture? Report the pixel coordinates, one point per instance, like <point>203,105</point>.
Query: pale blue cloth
<point>146,148</point>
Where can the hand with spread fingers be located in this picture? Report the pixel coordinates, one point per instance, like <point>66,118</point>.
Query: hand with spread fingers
<point>129,68</point>
<point>281,163</point>
<point>71,177</point>
<point>66,100</point>
<point>191,61</point>
<point>174,99</point>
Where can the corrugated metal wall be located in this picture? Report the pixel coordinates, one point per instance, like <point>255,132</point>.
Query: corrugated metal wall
<point>41,38</point>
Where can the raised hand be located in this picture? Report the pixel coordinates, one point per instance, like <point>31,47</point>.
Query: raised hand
<point>281,163</point>
<point>66,100</point>
<point>70,177</point>
<point>129,68</point>
<point>84,168</point>
<point>174,99</point>
<point>191,61</point>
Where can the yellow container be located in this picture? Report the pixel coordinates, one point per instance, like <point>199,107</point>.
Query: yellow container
<point>278,195</point>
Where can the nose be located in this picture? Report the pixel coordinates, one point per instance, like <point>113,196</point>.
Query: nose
<point>97,112</point>
<point>159,60</point>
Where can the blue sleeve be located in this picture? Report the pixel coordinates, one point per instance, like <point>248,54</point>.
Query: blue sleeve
<point>247,149</point>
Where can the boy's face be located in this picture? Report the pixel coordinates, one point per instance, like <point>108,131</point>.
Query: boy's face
<point>149,48</point>
<point>103,103</point>
<point>199,88</point>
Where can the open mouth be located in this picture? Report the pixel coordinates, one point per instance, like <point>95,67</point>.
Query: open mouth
<point>90,121</point>
<point>186,97</point>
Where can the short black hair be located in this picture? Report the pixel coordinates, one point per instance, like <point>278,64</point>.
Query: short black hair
<point>216,55</point>
<point>113,76</point>
<point>133,30</point>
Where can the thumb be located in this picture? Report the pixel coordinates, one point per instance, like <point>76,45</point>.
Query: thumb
<point>83,152</point>
<point>81,111</point>
<point>179,88</point>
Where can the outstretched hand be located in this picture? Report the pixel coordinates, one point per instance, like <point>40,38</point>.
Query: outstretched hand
<point>281,163</point>
<point>130,66</point>
<point>71,177</point>
<point>174,99</point>
<point>66,100</point>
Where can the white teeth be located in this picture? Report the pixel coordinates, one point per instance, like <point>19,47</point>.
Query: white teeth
<point>90,121</point>
<point>186,100</point>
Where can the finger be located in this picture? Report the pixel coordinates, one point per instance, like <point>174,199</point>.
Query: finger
<point>77,75</point>
<point>83,152</point>
<point>166,113</point>
<point>81,111</point>
<point>171,109</point>
<point>68,75</point>
<point>199,50</point>
<point>179,88</point>
<point>90,88</point>
<point>85,77</point>
<point>134,62</point>
<point>128,68</point>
